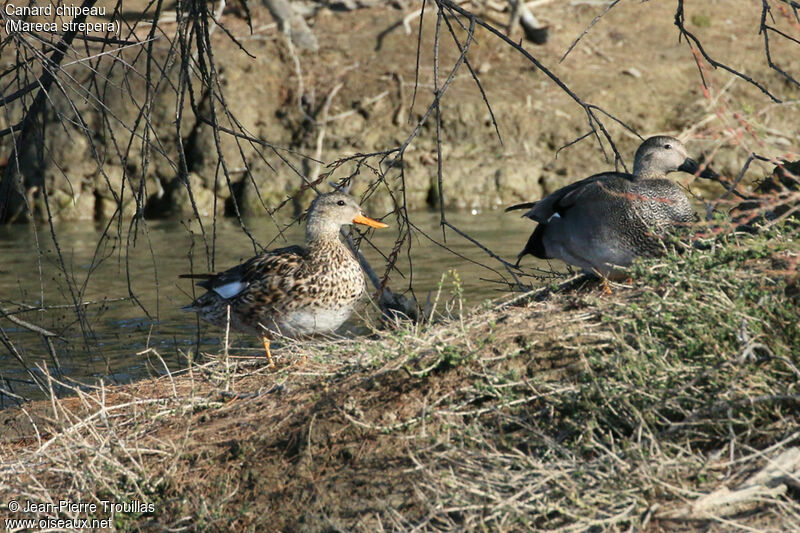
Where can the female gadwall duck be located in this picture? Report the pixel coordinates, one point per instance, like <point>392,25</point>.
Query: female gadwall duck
<point>608,219</point>
<point>292,291</point>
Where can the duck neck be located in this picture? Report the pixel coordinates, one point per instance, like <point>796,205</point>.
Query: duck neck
<point>642,169</point>
<point>321,232</point>
<point>648,174</point>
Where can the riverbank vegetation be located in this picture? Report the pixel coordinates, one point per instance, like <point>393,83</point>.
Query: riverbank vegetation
<point>671,404</point>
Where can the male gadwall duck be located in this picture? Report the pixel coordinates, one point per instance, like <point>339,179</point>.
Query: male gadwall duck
<point>608,219</point>
<point>293,291</point>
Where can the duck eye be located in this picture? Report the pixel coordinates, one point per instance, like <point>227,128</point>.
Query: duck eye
<point>667,146</point>
<point>340,202</point>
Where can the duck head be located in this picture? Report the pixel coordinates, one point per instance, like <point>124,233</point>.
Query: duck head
<point>329,212</point>
<point>660,155</point>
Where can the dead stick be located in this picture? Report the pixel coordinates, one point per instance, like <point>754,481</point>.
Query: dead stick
<point>27,325</point>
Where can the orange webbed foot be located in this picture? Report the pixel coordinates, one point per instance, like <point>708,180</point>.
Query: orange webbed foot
<point>265,340</point>
<point>606,287</point>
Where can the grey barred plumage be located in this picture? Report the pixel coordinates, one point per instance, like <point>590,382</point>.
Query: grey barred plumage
<point>609,219</point>
<point>296,290</point>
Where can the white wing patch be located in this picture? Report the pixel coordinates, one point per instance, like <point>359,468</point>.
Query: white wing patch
<point>229,290</point>
<point>554,215</point>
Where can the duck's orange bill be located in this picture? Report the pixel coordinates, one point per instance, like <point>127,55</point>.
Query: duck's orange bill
<point>371,222</point>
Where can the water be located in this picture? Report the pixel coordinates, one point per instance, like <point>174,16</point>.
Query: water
<point>103,272</point>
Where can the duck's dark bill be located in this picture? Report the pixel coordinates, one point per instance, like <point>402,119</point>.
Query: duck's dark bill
<point>692,167</point>
<point>371,222</point>
<point>689,166</point>
<point>708,174</point>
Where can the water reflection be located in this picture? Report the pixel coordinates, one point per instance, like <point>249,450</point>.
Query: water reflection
<point>128,284</point>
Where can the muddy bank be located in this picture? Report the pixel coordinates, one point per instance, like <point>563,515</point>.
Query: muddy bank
<point>355,95</point>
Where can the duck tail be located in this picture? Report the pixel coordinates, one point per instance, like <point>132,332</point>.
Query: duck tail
<point>535,245</point>
<point>206,280</point>
<point>526,205</point>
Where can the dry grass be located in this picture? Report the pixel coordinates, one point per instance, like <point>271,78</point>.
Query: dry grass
<point>671,405</point>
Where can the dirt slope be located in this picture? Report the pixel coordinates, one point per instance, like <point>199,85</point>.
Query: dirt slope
<point>630,64</point>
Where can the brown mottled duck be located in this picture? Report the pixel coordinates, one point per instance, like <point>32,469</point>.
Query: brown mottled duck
<point>293,291</point>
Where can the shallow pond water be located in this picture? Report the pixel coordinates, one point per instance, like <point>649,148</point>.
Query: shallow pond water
<point>127,281</point>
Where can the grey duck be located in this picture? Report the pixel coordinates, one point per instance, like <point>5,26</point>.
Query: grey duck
<point>608,219</point>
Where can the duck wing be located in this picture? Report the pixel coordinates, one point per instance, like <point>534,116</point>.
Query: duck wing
<point>276,270</point>
<point>560,201</point>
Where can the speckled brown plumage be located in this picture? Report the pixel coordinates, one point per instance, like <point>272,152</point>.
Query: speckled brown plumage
<point>296,290</point>
<point>608,219</point>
